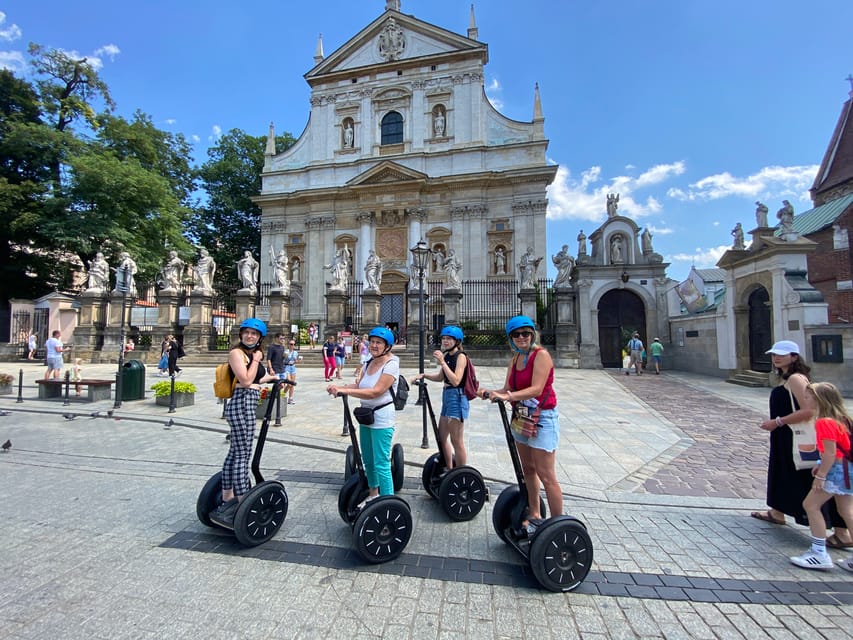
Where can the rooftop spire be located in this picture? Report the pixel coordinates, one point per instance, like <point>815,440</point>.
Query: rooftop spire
<point>537,104</point>
<point>318,52</point>
<point>849,79</point>
<point>270,150</point>
<point>392,4</point>
<point>473,32</point>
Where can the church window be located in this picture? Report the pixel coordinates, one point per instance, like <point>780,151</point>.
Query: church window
<point>392,128</point>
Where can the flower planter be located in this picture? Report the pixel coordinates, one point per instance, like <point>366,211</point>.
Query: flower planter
<point>181,400</point>
<point>5,389</point>
<point>262,408</point>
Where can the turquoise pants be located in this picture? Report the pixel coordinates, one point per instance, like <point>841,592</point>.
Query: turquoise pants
<point>376,455</point>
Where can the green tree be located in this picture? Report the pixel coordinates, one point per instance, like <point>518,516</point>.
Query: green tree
<point>230,223</point>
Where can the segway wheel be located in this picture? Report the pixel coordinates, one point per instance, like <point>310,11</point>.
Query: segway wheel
<point>397,466</point>
<point>561,553</point>
<point>349,496</point>
<point>209,498</point>
<point>430,471</point>
<point>382,529</point>
<point>462,493</point>
<point>504,506</point>
<point>349,464</point>
<point>261,513</point>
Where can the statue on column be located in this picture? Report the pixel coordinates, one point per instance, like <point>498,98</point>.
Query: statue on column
<point>247,270</point>
<point>127,265</point>
<point>500,261</point>
<point>99,273</point>
<point>339,268</point>
<point>612,204</point>
<point>581,244</point>
<point>169,276</point>
<point>564,263</point>
<point>761,214</point>
<point>373,271</point>
<point>786,217</point>
<point>737,234</point>
<point>279,270</point>
<point>646,240</point>
<point>453,267</point>
<point>204,271</point>
<point>527,269</point>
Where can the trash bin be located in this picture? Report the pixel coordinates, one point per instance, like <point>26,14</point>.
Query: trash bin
<point>133,380</point>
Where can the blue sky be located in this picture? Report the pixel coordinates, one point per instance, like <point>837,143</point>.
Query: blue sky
<point>691,110</point>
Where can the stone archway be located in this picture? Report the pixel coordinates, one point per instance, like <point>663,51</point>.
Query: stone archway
<point>620,313</point>
<point>760,329</point>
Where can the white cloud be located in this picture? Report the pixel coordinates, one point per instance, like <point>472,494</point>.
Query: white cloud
<point>10,33</point>
<point>659,231</point>
<point>493,91</point>
<point>110,50</point>
<point>660,173</point>
<point>170,121</point>
<point>701,258</point>
<point>779,181</point>
<point>216,133</point>
<point>195,138</point>
<point>13,61</point>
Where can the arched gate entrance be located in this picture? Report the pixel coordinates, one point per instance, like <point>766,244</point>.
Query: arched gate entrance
<point>620,313</point>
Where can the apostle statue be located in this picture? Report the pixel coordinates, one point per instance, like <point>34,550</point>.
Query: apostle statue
<point>612,204</point>
<point>247,270</point>
<point>204,271</point>
<point>564,263</point>
<point>527,269</point>
<point>279,265</point>
<point>737,234</point>
<point>581,244</point>
<point>373,271</point>
<point>99,273</point>
<point>169,276</point>
<point>339,268</point>
<point>761,214</point>
<point>500,261</point>
<point>453,268</point>
<point>786,217</point>
<point>126,270</point>
<point>646,241</point>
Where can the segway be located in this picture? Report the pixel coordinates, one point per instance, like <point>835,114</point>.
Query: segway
<point>559,551</point>
<point>263,508</point>
<point>381,529</point>
<point>397,463</point>
<point>461,491</point>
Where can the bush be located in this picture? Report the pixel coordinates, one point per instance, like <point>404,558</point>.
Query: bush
<point>5,379</point>
<point>164,388</point>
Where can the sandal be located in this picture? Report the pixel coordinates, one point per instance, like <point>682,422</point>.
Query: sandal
<point>834,542</point>
<point>766,517</point>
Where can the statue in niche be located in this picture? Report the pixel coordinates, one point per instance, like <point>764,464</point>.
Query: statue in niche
<point>646,241</point>
<point>339,268</point>
<point>761,214</point>
<point>612,204</point>
<point>127,264</point>
<point>99,273</point>
<point>349,135</point>
<point>581,244</point>
<point>373,271</point>
<point>616,252</point>
<point>294,270</point>
<point>453,268</point>
<point>169,277</point>
<point>438,258</point>
<point>564,263</point>
<point>527,269</point>
<point>247,270</point>
<point>786,217</point>
<point>737,234</point>
<point>204,270</point>
<point>500,261</point>
<point>438,123</point>
<point>279,263</point>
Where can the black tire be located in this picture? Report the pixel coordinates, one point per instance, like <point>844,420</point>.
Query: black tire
<point>505,505</point>
<point>431,469</point>
<point>349,496</point>
<point>382,529</point>
<point>397,463</point>
<point>349,464</point>
<point>561,553</point>
<point>209,498</point>
<point>261,513</point>
<point>462,493</point>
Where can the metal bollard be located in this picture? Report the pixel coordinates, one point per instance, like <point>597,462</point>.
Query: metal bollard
<point>20,385</point>
<point>67,385</point>
<point>172,407</point>
<point>224,404</point>
<point>278,410</point>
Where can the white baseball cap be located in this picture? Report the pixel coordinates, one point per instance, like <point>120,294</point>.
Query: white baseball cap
<point>784,347</point>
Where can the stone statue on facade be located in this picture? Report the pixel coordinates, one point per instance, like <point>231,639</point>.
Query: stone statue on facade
<point>437,259</point>
<point>786,217</point>
<point>500,261</point>
<point>453,268</point>
<point>527,269</point>
<point>438,124</point>
<point>737,234</point>
<point>373,271</point>
<point>646,241</point>
<point>294,270</point>
<point>339,268</point>
<point>169,276</point>
<point>761,214</point>
<point>392,41</point>
<point>126,265</point>
<point>612,204</point>
<point>349,135</point>
<point>581,244</point>
<point>279,265</point>
<point>204,270</point>
<point>616,252</point>
<point>247,270</point>
<point>99,273</point>
<point>564,263</point>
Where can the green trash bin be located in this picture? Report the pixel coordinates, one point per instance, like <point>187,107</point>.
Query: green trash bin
<point>133,380</point>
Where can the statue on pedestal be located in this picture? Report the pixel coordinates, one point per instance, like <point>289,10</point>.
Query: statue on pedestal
<point>616,254</point>
<point>279,270</point>
<point>581,244</point>
<point>500,261</point>
<point>373,271</point>
<point>169,276</point>
<point>761,214</point>
<point>126,264</point>
<point>786,217</point>
<point>99,273</point>
<point>564,263</point>
<point>453,267</point>
<point>248,270</point>
<point>737,234</point>
<point>646,241</point>
<point>527,269</point>
<point>204,271</point>
<point>612,204</point>
<point>339,268</point>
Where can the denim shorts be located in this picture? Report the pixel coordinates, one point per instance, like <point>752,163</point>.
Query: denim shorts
<point>454,404</point>
<point>548,438</point>
<point>54,363</point>
<point>339,361</point>
<point>290,369</point>
<point>834,482</point>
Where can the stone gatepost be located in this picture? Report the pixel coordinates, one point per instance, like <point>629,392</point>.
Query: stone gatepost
<point>371,301</point>
<point>452,306</point>
<point>528,303</point>
<point>279,321</point>
<point>115,316</point>
<point>336,302</point>
<point>168,308</point>
<point>244,304</point>
<point>91,321</point>
<point>200,328</point>
<point>566,330</point>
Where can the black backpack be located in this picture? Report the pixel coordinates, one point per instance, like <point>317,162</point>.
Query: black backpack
<point>399,395</point>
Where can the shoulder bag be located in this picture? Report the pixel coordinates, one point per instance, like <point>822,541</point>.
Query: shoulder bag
<point>804,448</point>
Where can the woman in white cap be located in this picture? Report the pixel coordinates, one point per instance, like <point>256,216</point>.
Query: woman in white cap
<point>787,487</point>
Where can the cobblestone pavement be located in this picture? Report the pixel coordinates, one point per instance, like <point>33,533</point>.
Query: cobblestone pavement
<point>101,539</point>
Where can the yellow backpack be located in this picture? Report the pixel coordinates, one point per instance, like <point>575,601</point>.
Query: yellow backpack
<point>224,380</point>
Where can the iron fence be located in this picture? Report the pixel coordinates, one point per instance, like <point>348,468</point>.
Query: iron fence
<point>353,307</point>
<point>224,315</point>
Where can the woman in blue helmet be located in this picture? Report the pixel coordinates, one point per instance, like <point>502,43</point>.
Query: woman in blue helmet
<point>529,386</point>
<point>452,367</point>
<point>375,388</point>
<point>246,361</point>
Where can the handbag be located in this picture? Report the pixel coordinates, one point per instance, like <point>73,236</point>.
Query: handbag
<point>364,415</point>
<point>522,424</point>
<point>804,443</point>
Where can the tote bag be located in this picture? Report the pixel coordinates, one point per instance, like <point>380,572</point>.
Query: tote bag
<point>804,447</point>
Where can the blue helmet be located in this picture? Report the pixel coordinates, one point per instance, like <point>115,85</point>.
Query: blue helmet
<point>517,322</point>
<point>253,323</point>
<point>452,332</point>
<point>385,334</point>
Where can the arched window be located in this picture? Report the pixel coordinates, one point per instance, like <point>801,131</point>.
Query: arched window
<point>392,128</point>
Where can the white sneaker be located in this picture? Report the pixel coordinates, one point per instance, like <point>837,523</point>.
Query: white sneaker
<point>812,560</point>
<point>847,564</point>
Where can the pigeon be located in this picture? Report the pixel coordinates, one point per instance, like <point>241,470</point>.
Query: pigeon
<point>69,416</point>
<point>169,424</point>
<point>5,413</point>
<point>110,413</point>
<point>95,414</point>
<point>6,446</point>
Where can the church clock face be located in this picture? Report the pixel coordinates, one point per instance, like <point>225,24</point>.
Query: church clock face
<point>391,244</point>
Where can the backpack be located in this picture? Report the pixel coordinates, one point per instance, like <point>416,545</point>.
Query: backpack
<point>402,393</point>
<point>471,385</point>
<point>224,380</point>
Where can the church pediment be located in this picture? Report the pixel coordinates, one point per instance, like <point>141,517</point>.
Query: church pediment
<point>395,38</point>
<point>386,173</point>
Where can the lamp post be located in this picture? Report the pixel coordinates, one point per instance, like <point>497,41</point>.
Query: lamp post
<point>123,286</point>
<point>420,258</point>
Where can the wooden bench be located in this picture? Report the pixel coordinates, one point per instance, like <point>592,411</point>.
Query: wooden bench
<point>55,389</point>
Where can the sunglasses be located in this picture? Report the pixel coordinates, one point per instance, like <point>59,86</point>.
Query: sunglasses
<point>521,334</point>
<point>292,344</point>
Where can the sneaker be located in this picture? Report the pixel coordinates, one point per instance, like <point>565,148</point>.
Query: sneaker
<point>532,525</point>
<point>847,564</point>
<point>291,402</point>
<point>812,560</point>
<point>364,502</point>
<point>224,514</point>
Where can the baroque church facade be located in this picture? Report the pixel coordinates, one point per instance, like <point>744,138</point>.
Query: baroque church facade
<point>403,145</point>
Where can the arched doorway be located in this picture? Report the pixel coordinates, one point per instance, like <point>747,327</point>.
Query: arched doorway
<point>620,313</point>
<point>760,330</point>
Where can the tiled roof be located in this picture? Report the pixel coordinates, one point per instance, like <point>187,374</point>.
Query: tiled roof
<point>711,275</point>
<point>837,165</point>
<point>822,216</point>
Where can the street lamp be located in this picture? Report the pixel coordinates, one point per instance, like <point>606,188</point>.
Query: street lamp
<point>122,286</point>
<point>420,258</point>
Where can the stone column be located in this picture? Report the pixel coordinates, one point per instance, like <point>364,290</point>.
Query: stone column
<point>200,328</point>
<point>92,320</point>
<point>279,313</point>
<point>244,306</point>
<point>335,310</point>
<point>370,305</point>
<point>528,303</point>
<point>566,330</point>
<point>452,306</point>
<point>115,317</point>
